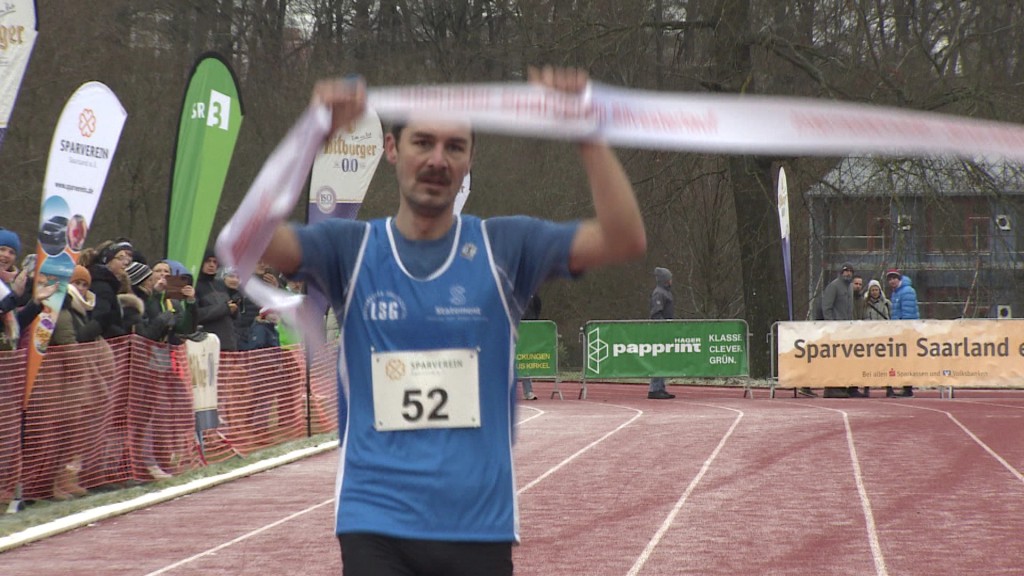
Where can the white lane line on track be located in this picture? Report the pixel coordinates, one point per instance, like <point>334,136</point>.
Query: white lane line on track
<point>246,536</point>
<point>865,502</point>
<point>538,414</point>
<point>656,539</point>
<point>280,522</point>
<point>581,451</point>
<point>1016,473</point>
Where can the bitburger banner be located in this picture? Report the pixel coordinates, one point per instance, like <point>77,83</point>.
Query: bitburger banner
<point>937,353</point>
<point>81,153</point>
<point>18,31</point>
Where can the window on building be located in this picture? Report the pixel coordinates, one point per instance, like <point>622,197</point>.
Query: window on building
<point>859,225</point>
<point>959,225</point>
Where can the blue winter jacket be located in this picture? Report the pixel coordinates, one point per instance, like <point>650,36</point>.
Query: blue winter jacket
<point>904,301</point>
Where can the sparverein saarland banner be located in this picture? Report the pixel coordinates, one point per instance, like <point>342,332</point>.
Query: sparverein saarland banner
<point>81,153</point>
<point>211,116</point>
<point>18,30</point>
<point>343,169</point>
<point>669,348</point>
<point>940,353</point>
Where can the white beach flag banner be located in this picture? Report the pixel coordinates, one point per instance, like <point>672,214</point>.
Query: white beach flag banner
<point>623,117</point>
<point>17,37</point>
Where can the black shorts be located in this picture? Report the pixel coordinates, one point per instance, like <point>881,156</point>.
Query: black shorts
<point>375,555</point>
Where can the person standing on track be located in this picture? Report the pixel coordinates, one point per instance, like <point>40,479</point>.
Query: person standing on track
<point>662,308</point>
<point>426,375</point>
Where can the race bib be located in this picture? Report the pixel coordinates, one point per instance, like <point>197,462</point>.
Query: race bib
<point>426,389</point>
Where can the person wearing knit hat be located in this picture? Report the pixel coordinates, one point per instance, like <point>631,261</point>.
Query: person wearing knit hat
<point>138,272</point>
<point>9,239</point>
<point>81,274</point>
<point>10,245</point>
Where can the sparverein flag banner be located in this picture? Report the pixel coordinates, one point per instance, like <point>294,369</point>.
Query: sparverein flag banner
<point>343,169</point>
<point>18,31</point>
<point>81,153</point>
<point>211,116</point>
<point>783,202</point>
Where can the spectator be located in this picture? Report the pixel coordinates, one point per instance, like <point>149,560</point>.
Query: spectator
<point>837,300</point>
<point>837,304</point>
<point>532,312</point>
<point>876,305</point>
<point>107,264</point>
<point>432,288</point>
<point>662,308</point>
<point>216,311</point>
<point>183,305</point>
<point>857,284</point>
<point>248,310</point>
<point>904,307</point>
<point>83,391</point>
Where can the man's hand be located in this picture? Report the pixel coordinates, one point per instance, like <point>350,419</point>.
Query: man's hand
<point>346,97</point>
<point>571,80</point>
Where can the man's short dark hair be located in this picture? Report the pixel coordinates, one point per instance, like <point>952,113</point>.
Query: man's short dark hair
<point>397,127</point>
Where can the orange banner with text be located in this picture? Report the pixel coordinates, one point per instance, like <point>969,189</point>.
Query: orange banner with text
<point>937,353</point>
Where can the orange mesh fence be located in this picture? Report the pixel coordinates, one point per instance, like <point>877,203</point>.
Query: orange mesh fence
<point>12,391</point>
<point>121,411</point>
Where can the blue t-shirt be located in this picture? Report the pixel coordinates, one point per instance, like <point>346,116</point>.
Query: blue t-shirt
<point>405,308</point>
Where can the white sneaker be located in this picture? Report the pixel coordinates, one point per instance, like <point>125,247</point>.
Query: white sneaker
<point>530,396</point>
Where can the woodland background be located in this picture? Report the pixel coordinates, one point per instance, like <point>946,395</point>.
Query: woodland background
<point>710,218</point>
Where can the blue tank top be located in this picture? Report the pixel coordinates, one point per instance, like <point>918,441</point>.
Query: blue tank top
<point>436,483</point>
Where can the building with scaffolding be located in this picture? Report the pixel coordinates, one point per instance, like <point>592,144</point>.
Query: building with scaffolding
<point>953,226</point>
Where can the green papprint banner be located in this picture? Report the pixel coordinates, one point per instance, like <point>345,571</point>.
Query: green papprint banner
<point>211,116</point>
<point>668,348</point>
<point>537,349</point>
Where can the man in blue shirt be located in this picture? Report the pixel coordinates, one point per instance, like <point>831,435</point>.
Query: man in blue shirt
<point>428,303</point>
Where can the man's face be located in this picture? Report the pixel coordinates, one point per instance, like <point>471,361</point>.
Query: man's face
<point>858,285</point>
<point>7,257</point>
<point>893,281</point>
<point>210,265</point>
<point>232,281</point>
<point>431,160</point>
<point>847,274</point>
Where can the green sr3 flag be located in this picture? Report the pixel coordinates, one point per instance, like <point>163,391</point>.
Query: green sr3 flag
<point>211,116</point>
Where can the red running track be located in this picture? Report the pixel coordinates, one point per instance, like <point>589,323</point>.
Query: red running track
<point>710,483</point>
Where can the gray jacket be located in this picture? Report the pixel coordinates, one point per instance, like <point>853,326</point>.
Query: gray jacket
<point>837,300</point>
<point>662,305</point>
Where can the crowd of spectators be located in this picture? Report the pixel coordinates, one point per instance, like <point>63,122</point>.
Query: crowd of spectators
<point>114,291</point>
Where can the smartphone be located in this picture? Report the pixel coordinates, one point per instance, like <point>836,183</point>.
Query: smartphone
<point>174,284</point>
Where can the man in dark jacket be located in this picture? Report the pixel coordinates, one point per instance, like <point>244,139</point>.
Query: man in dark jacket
<point>662,308</point>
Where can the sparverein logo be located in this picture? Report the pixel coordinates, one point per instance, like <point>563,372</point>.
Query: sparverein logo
<point>87,123</point>
<point>395,369</point>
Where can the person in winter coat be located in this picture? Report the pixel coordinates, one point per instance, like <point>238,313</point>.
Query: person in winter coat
<point>876,305</point>
<point>662,308</point>
<point>904,307</point>
<point>107,265</point>
<point>216,310</point>
<point>88,367</point>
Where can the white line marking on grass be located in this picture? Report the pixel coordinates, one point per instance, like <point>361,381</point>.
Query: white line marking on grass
<point>87,517</point>
<point>216,549</point>
<point>562,464</point>
<point>656,539</point>
<point>1016,473</point>
<point>865,502</point>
